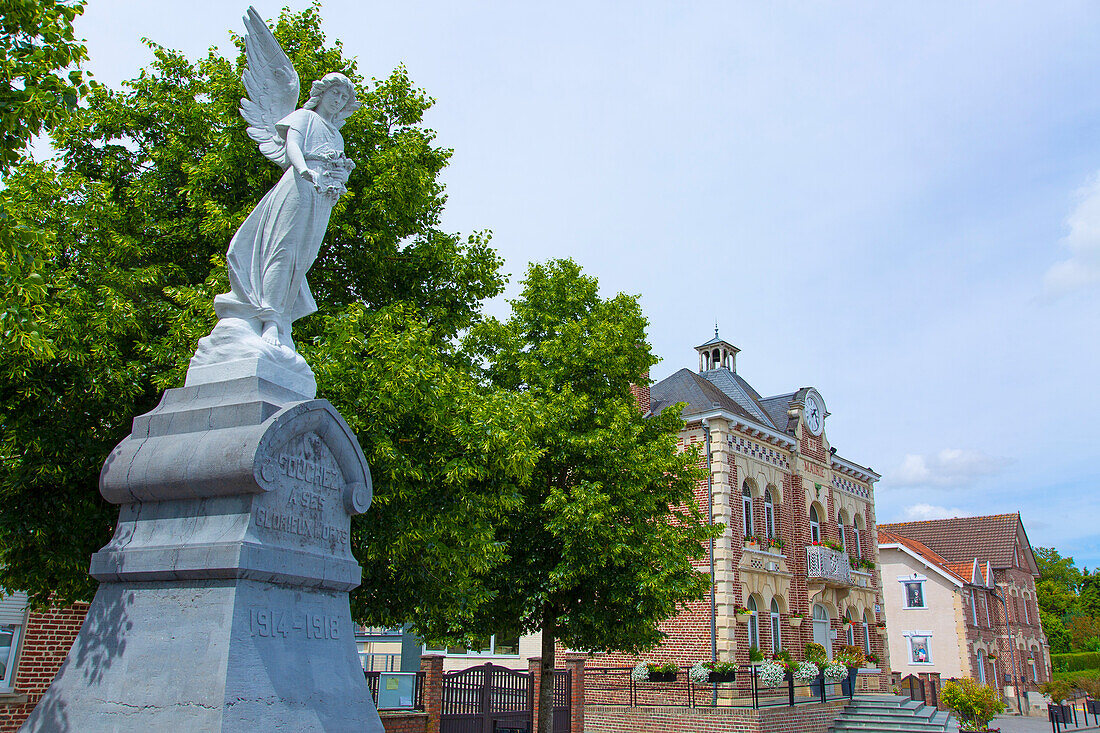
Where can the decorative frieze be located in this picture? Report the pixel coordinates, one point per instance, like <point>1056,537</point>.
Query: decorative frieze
<point>744,446</point>
<point>844,484</point>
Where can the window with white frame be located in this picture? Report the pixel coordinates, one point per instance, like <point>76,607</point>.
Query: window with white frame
<point>850,632</point>
<point>1034,671</point>
<point>815,525</point>
<point>988,620</point>
<point>867,632</point>
<point>914,591</point>
<point>746,506</point>
<point>920,647</point>
<point>973,608</point>
<point>13,614</point>
<point>981,666</point>
<point>840,527</point>
<point>497,645</point>
<point>777,639</point>
<point>754,626</point>
<point>1027,619</point>
<point>769,514</point>
<point>857,549</point>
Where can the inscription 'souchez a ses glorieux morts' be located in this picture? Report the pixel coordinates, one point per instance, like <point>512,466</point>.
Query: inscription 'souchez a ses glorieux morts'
<point>314,480</point>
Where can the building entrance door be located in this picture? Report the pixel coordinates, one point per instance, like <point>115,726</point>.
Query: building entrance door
<point>821,629</point>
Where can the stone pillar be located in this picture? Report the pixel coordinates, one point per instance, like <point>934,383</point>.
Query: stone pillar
<point>534,668</point>
<point>574,662</point>
<point>432,667</point>
<point>223,595</point>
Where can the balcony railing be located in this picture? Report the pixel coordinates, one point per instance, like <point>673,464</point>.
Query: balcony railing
<point>828,564</point>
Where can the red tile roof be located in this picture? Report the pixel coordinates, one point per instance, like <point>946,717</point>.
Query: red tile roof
<point>962,539</point>
<point>887,537</point>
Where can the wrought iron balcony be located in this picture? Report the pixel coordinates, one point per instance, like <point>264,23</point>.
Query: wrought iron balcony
<point>825,563</point>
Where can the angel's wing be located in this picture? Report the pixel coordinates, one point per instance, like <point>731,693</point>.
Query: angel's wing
<point>272,86</point>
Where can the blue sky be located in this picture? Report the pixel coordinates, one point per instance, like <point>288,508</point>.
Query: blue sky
<point>896,203</point>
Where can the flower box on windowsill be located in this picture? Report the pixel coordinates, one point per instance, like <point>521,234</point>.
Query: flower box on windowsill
<point>795,621</point>
<point>881,630</point>
<point>743,618</point>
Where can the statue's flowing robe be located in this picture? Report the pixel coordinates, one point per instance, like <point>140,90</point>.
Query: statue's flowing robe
<point>271,252</point>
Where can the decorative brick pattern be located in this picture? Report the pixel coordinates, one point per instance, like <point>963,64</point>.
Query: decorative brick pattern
<point>845,484</point>
<point>760,452</point>
<point>46,640</point>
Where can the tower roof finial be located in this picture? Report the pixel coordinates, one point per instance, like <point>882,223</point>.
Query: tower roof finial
<point>715,328</point>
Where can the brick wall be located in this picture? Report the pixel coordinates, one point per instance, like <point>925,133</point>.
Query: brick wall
<point>810,718</point>
<point>46,640</point>
<point>403,721</point>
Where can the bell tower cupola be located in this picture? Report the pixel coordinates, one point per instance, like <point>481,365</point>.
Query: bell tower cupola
<point>717,354</point>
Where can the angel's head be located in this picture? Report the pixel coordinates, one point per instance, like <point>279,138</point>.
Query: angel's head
<point>333,97</point>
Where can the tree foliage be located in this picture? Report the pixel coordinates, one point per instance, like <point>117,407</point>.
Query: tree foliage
<point>600,549</point>
<point>154,178</point>
<point>38,87</point>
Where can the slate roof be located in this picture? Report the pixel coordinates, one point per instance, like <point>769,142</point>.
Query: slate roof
<point>742,393</point>
<point>933,557</point>
<point>699,394</point>
<point>962,539</point>
<point>777,407</point>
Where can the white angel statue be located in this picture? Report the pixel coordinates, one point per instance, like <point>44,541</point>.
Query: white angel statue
<point>276,245</point>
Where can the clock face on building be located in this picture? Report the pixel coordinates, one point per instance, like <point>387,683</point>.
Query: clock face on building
<point>813,415</point>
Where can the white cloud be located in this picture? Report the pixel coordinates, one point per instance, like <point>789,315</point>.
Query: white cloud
<point>949,467</point>
<point>918,512</point>
<point>1082,269</point>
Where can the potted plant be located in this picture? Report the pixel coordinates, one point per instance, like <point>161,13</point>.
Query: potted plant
<point>773,673</point>
<point>755,655</point>
<point>751,542</point>
<point>795,619</point>
<point>653,672</point>
<point>872,661</point>
<point>742,614</point>
<point>866,564</point>
<point>852,658</point>
<point>774,543</point>
<point>881,628</point>
<point>992,657</point>
<point>974,704</point>
<point>712,673</point>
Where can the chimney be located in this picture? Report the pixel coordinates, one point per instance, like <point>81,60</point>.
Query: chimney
<point>641,393</point>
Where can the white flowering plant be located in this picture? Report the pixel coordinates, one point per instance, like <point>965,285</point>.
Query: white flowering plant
<point>806,671</point>
<point>835,672</point>
<point>642,670</point>
<point>772,674</point>
<point>700,671</point>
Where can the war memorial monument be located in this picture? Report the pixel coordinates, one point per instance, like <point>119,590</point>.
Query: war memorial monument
<point>223,596</point>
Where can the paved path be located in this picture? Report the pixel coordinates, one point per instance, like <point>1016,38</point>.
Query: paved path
<point>1036,724</point>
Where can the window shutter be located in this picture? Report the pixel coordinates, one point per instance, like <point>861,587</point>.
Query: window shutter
<point>13,608</point>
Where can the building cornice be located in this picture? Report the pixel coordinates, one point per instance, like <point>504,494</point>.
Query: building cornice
<point>749,427</point>
<point>843,465</point>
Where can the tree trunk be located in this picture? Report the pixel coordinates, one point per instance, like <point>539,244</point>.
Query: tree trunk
<point>546,679</point>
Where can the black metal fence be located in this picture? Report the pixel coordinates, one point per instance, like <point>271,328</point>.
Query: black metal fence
<point>616,686</point>
<point>408,700</point>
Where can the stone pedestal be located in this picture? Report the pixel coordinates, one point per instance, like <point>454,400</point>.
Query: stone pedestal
<point>223,601</point>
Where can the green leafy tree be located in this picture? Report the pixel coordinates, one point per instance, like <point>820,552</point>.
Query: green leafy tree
<point>600,549</point>
<point>1057,634</point>
<point>975,704</point>
<point>155,177</point>
<point>38,86</point>
<point>37,90</point>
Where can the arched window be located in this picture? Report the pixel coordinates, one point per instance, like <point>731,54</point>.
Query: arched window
<point>769,514</point>
<point>857,549</point>
<point>866,632</point>
<point>821,629</point>
<point>754,627</point>
<point>777,641</point>
<point>840,527</point>
<point>815,525</point>
<point>850,633</point>
<point>981,666</point>
<point>746,505</point>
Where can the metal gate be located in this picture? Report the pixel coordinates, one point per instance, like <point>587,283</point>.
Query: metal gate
<point>493,699</point>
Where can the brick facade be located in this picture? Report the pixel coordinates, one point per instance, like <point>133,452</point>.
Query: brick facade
<point>47,637</point>
<point>783,465</point>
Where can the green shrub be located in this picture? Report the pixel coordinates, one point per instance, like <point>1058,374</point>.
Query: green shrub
<point>1057,690</point>
<point>1089,684</point>
<point>1074,662</point>
<point>973,704</point>
<point>755,655</point>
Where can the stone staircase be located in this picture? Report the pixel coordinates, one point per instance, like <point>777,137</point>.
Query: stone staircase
<point>892,714</point>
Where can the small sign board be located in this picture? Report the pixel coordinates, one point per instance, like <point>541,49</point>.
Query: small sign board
<point>395,690</point>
